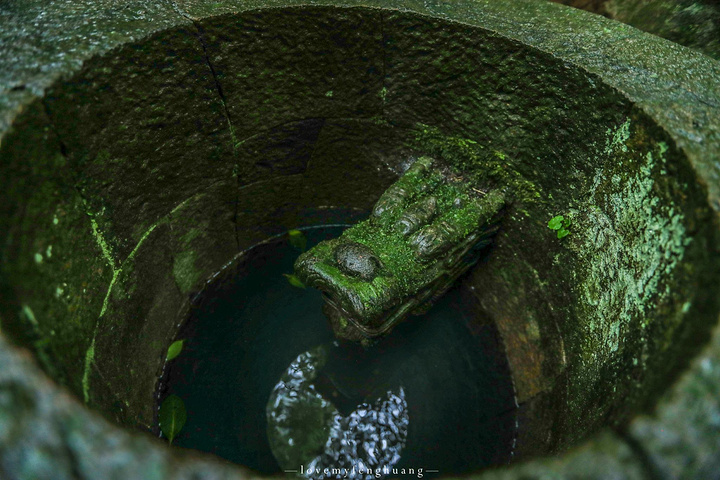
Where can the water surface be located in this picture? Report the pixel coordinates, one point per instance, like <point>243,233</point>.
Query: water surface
<point>444,373</point>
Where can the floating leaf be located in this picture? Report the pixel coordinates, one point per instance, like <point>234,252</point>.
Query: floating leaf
<point>172,416</point>
<point>562,233</point>
<point>297,239</point>
<point>175,349</point>
<point>555,223</point>
<point>294,280</point>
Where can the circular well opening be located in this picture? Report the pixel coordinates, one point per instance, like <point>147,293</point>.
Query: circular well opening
<point>160,171</point>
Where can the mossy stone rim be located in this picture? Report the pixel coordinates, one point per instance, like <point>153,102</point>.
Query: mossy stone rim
<point>687,108</point>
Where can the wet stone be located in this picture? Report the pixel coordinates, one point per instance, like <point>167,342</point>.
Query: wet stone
<point>604,457</point>
<point>537,51</point>
<point>45,433</point>
<point>682,437</point>
<point>357,260</point>
<point>417,267</point>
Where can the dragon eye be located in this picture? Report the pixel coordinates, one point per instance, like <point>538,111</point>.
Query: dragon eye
<point>357,260</point>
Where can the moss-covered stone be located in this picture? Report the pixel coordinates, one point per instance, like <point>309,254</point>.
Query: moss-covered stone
<point>607,456</point>
<point>45,433</point>
<point>596,6</point>
<point>681,437</point>
<point>628,242</point>
<point>123,133</point>
<point>53,272</point>
<point>425,231</point>
<point>262,66</point>
<point>692,23</point>
<point>538,83</point>
<point>65,35</point>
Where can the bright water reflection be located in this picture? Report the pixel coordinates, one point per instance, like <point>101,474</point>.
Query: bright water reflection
<point>352,446</point>
<point>437,391</point>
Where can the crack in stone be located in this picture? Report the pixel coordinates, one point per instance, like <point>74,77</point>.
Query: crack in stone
<point>226,112</point>
<point>383,90</point>
<point>218,86</point>
<point>90,353</point>
<point>206,56</point>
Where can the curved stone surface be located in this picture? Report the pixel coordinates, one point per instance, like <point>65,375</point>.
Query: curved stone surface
<point>52,52</point>
<point>42,42</point>
<point>692,23</point>
<point>605,457</point>
<point>46,434</point>
<point>681,437</point>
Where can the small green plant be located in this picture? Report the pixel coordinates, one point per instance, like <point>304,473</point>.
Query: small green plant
<point>175,349</point>
<point>172,416</point>
<point>561,225</point>
<point>297,239</point>
<point>294,280</point>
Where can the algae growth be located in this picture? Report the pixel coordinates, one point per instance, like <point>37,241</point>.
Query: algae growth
<point>424,232</point>
<point>630,241</point>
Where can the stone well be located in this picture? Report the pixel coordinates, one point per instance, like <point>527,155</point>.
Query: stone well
<point>144,146</point>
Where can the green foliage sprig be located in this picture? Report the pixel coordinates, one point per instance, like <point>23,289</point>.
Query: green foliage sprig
<point>294,280</point>
<point>561,225</point>
<point>175,349</point>
<point>297,239</point>
<point>172,416</point>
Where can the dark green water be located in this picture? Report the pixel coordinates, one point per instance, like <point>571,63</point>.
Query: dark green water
<point>247,327</point>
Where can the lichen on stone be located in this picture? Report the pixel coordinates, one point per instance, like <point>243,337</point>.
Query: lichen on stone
<point>184,270</point>
<point>481,163</point>
<point>628,244</point>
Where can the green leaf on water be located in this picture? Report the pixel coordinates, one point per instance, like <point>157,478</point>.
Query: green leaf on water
<point>172,416</point>
<point>556,223</point>
<point>294,280</point>
<point>297,239</point>
<point>175,349</point>
<point>563,233</point>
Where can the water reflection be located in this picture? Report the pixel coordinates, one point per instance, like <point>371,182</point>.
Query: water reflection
<point>436,394</point>
<point>309,435</point>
